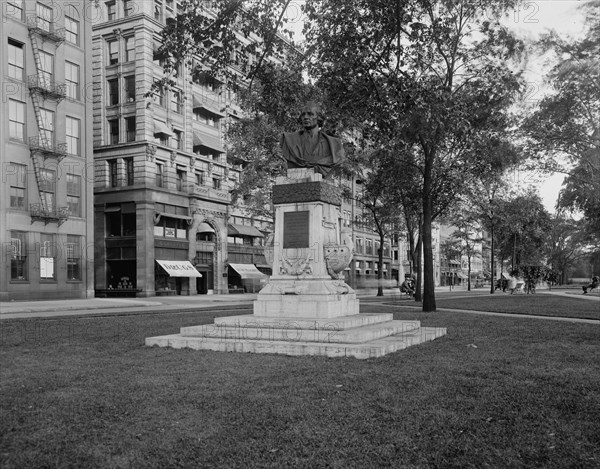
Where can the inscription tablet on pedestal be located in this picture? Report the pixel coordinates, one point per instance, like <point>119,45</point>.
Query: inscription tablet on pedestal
<point>295,229</point>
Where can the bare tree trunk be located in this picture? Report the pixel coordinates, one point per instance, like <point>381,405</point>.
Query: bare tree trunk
<point>417,268</point>
<point>380,270</point>
<point>492,266</point>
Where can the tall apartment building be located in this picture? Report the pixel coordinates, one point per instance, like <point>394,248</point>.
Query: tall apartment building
<point>46,159</point>
<point>164,223</point>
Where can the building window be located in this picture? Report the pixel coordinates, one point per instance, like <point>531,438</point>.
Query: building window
<point>14,8</point>
<point>16,60</point>
<point>72,80</point>
<point>158,7</point>
<point>72,30</point>
<point>129,48</point>
<point>18,185</point>
<point>176,101</point>
<point>160,174</point>
<point>206,117</point>
<point>128,7</point>
<point>48,189</point>
<point>130,127</point>
<point>44,17</point>
<point>16,120</point>
<point>113,173</point>
<point>111,11</point>
<point>46,73</point>
<point>216,183</point>
<point>120,219</point>
<point>73,126</point>
<point>74,194</point>
<point>360,245</point>
<point>159,95</point>
<point>113,52</point>
<point>128,170</point>
<point>47,257</point>
<point>130,88</point>
<point>369,246</point>
<point>113,91</point>
<point>181,177</point>
<point>113,131</point>
<point>47,127</point>
<point>199,178</point>
<point>18,259</point>
<point>178,137</point>
<point>73,251</point>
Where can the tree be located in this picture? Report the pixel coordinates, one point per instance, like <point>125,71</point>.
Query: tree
<point>523,229</point>
<point>563,130</point>
<point>227,39</point>
<point>489,189</point>
<point>450,250</point>
<point>382,211</point>
<point>566,244</point>
<point>467,235</point>
<point>431,77</point>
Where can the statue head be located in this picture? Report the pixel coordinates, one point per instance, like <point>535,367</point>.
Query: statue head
<point>311,115</point>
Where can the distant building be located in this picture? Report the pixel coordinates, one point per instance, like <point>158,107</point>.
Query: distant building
<point>164,223</point>
<point>46,157</point>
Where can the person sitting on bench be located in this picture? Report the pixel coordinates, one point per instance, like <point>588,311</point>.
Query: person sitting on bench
<point>408,287</point>
<point>591,286</point>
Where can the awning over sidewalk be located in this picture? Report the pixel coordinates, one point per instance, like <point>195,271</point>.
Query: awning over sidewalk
<point>461,275</point>
<point>179,268</point>
<point>243,230</point>
<point>247,271</point>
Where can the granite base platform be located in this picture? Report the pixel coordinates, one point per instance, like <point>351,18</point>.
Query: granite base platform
<point>359,336</point>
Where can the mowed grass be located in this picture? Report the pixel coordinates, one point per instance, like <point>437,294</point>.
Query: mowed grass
<point>494,392</point>
<point>540,304</point>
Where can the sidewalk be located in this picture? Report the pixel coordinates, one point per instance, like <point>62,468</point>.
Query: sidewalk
<point>74,307</point>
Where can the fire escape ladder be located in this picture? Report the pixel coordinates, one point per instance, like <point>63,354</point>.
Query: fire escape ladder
<point>40,147</point>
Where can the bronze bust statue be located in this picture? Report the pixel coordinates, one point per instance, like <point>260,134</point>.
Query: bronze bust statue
<point>312,148</point>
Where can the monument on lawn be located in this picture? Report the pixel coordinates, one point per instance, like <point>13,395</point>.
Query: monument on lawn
<point>306,308</point>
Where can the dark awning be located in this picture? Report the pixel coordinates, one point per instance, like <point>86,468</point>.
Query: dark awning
<point>159,215</point>
<point>208,142</point>
<point>199,104</point>
<point>243,230</point>
<point>161,128</point>
<point>247,270</point>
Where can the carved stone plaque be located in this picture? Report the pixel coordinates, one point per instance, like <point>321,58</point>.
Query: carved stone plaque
<point>295,229</point>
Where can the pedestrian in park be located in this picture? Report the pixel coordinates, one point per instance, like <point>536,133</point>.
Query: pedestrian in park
<point>408,287</point>
<point>591,286</point>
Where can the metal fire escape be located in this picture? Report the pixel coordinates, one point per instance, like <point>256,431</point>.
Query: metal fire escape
<point>42,88</point>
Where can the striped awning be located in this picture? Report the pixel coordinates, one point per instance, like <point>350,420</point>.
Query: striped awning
<point>208,142</point>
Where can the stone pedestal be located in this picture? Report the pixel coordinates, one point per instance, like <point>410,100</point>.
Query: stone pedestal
<point>306,308</point>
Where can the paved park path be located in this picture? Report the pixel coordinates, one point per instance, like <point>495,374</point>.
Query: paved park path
<point>108,306</point>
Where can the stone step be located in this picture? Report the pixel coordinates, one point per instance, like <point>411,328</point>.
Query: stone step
<point>355,335</point>
<point>372,349</point>
<point>292,322</point>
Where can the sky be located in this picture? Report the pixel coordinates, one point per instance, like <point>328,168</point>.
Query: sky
<point>529,20</point>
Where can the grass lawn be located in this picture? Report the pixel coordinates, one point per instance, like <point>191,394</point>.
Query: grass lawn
<point>495,392</point>
<point>539,304</point>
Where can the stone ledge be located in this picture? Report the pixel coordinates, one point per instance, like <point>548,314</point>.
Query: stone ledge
<point>301,192</point>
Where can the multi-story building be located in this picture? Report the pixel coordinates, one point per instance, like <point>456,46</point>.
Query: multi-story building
<point>46,158</point>
<point>455,270</point>
<point>164,223</point>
